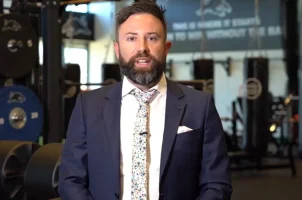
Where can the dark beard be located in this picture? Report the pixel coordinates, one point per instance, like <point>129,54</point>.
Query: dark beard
<point>143,77</point>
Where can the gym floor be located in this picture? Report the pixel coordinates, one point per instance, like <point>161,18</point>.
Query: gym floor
<point>268,185</point>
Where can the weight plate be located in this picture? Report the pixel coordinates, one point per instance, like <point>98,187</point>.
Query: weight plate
<point>21,114</point>
<point>46,160</point>
<point>18,46</point>
<point>14,156</point>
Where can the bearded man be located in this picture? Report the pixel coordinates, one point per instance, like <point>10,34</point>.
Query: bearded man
<point>146,137</point>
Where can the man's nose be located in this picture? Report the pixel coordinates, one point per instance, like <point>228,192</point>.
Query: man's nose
<point>143,46</point>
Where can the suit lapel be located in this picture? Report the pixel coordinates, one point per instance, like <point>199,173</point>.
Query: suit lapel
<point>112,122</point>
<point>175,107</point>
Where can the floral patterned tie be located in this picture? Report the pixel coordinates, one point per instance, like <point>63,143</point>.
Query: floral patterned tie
<point>139,148</point>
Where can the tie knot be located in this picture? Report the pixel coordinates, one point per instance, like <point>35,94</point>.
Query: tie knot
<point>143,97</point>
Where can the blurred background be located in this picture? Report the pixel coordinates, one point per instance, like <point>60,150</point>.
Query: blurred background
<point>246,53</point>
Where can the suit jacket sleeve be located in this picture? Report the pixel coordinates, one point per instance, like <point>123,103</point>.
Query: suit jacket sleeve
<point>215,174</point>
<point>73,178</point>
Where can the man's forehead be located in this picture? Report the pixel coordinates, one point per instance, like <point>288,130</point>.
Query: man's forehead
<point>142,22</point>
<point>141,16</point>
<point>142,19</point>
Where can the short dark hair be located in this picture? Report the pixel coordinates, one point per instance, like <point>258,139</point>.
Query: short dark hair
<point>143,6</point>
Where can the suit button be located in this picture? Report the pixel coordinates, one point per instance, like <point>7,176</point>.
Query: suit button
<point>117,195</point>
<point>161,196</point>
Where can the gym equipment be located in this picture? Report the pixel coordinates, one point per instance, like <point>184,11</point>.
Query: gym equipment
<point>18,46</point>
<point>282,117</point>
<point>14,156</point>
<point>46,161</point>
<point>203,69</point>
<point>111,71</point>
<point>245,159</point>
<point>71,74</point>
<point>21,114</point>
<point>256,106</point>
<point>232,139</point>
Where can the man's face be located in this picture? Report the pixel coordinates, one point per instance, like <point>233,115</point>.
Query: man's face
<point>141,48</point>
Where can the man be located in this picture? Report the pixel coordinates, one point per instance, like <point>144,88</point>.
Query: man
<point>146,137</point>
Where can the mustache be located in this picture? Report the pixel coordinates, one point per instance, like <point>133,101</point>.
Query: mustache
<point>142,54</point>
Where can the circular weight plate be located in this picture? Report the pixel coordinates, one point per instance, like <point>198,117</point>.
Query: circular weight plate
<point>46,160</point>
<point>21,114</point>
<point>18,46</point>
<point>14,156</point>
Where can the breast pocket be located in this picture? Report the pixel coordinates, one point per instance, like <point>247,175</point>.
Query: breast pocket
<point>188,140</point>
<point>188,147</point>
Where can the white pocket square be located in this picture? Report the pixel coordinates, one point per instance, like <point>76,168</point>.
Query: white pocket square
<point>183,129</point>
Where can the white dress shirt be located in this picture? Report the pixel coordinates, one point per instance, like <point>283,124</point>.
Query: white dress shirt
<point>129,110</point>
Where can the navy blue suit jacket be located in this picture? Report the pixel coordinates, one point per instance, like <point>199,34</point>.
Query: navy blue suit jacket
<point>194,165</point>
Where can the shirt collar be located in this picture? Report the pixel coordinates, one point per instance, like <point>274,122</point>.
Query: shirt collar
<point>161,86</point>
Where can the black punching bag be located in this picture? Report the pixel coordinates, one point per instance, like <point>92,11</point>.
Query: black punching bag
<point>256,105</point>
<point>203,69</point>
<point>111,71</point>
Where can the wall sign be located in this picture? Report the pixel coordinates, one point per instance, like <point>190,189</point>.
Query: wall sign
<point>78,26</point>
<point>226,25</point>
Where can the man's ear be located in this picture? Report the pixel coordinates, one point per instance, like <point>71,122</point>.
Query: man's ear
<point>168,46</point>
<point>116,49</point>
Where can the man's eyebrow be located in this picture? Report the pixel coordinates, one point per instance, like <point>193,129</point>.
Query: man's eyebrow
<point>131,33</point>
<point>153,33</point>
<point>150,33</point>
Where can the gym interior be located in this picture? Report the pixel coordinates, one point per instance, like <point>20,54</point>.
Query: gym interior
<point>246,53</point>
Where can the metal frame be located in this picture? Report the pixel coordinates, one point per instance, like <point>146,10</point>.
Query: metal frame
<point>300,75</point>
<point>1,6</point>
<point>52,62</point>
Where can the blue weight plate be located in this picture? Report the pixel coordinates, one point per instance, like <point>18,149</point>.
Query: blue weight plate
<point>21,114</point>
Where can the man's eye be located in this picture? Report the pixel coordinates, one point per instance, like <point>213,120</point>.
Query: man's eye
<point>153,38</point>
<point>130,38</point>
